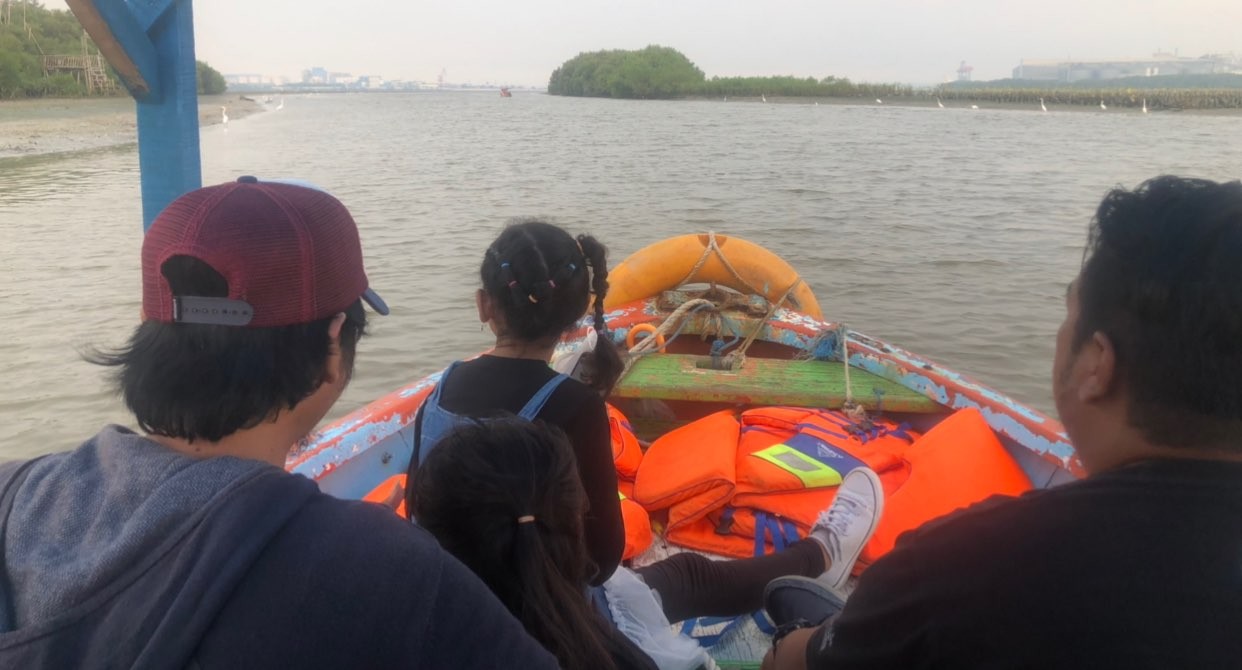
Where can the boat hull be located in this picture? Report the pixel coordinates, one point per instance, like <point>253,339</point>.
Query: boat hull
<point>354,455</point>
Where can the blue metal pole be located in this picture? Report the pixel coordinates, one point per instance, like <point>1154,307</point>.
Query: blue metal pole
<point>150,44</point>
<point>168,151</point>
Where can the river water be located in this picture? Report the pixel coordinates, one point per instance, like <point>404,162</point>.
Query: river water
<point>949,232</point>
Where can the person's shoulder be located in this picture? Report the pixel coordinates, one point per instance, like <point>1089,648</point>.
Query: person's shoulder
<point>357,523</point>
<point>1004,524</point>
<point>351,549</point>
<point>572,388</point>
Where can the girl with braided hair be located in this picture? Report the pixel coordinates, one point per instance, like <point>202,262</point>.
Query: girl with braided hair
<point>537,283</point>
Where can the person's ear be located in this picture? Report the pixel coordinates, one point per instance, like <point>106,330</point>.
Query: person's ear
<point>334,367</point>
<point>1098,358</point>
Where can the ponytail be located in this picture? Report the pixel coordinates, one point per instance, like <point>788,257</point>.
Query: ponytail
<point>504,497</point>
<point>553,610</point>
<point>606,360</point>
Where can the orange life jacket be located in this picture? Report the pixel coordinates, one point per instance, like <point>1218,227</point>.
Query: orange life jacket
<point>627,453</point>
<point>957,463</point>
<point>691,470</point>
<point>788,463</point>
<point>637,527</point>
<point>380,494</point>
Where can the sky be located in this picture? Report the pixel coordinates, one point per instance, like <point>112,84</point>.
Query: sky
<point>520,42</point>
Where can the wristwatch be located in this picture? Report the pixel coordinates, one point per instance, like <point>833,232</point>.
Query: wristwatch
<point>787,628</point>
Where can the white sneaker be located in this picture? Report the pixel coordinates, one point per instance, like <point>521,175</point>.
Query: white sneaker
<point>846,526</point>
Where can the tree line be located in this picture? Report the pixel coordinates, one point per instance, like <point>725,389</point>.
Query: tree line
<point>1171,92</point>
<point>29,31</point>
<point>663,72</point>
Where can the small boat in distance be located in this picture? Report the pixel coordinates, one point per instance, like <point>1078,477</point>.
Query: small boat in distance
<point>505,93</point>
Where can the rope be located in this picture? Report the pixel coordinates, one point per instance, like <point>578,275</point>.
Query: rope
<point>738,357</point>
<point>708,250</point>
<point>648,344</point>
<point>707,253</point>
<point>853,410</point>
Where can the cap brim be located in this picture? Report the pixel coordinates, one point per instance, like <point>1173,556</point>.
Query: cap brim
<point>375,301</point>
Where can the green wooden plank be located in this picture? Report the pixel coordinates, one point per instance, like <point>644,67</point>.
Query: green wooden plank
<point>765,381</point>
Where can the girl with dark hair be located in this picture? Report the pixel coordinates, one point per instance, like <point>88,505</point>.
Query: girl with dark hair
<point>504,497</point>
<point>537,283</point>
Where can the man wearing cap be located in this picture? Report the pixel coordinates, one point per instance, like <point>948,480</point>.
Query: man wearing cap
<point>188,545</point>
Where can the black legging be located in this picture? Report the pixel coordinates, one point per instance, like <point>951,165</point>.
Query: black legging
<point>691,585</point>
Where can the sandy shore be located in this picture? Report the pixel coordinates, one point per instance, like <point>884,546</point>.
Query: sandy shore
<point>36,127</point>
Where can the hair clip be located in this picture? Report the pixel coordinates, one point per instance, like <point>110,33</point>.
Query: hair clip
<point>531,297</point>
<point>527,518</point>
<point>551,283</point>
<point>512,283</point>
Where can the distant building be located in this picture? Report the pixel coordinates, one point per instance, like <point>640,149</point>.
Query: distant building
<point>341,78</point>
<point>964,72</point>
<point>1158,64</point>
<point>370,81</point>
<point>246,79</point>
<point>315,75</point>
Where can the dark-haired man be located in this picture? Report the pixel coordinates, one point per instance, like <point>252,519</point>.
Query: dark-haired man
<point>1140,564</point>
<point>189,545</point>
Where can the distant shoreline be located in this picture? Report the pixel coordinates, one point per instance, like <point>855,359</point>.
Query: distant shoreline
<point>62,125</point>
<point>948,104</point>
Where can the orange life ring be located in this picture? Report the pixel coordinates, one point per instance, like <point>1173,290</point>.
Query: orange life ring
<point>711,258</point>
<point>631,338</point>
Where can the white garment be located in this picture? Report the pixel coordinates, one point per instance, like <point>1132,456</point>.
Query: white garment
<point>636,613</point>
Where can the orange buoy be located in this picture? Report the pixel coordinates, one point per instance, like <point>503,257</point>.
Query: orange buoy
<point>709,258</point>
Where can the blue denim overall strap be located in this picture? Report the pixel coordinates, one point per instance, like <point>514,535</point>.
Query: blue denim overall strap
<point>437,421</point>
<point>537,401</point>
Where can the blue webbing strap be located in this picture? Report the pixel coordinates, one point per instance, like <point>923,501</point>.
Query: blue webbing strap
<point>778,534</point>
<point>761,529</point>
<point>790,531</point>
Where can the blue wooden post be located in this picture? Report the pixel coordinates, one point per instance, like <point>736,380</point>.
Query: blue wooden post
<point>150,44</point>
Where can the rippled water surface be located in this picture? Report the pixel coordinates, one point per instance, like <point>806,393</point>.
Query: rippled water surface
<point>949,232</point>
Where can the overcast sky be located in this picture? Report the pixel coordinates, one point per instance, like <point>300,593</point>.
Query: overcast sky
<point>522,41</point>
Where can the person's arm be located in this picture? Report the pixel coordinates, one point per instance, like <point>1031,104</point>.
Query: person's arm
<point>604,529</point>
<point>884,624</point>
<point>790,652</point>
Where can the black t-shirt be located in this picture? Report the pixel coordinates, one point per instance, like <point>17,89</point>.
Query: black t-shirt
<point>491,384</point>
<point>1138,567</point>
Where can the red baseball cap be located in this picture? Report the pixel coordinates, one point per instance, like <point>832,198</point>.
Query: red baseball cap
<point>288,250</point>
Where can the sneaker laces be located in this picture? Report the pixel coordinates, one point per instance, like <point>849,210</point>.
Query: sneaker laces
<point>837,520</point>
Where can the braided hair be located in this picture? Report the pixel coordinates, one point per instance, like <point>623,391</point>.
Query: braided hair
<point>541,279</point>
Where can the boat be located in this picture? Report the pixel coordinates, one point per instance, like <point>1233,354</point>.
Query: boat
<point>793,357</point>
<point>728,324</point>
<point>505,92</point>
<point>702,290</point>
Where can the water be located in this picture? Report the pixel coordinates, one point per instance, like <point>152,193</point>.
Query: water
<point>949,232</point>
